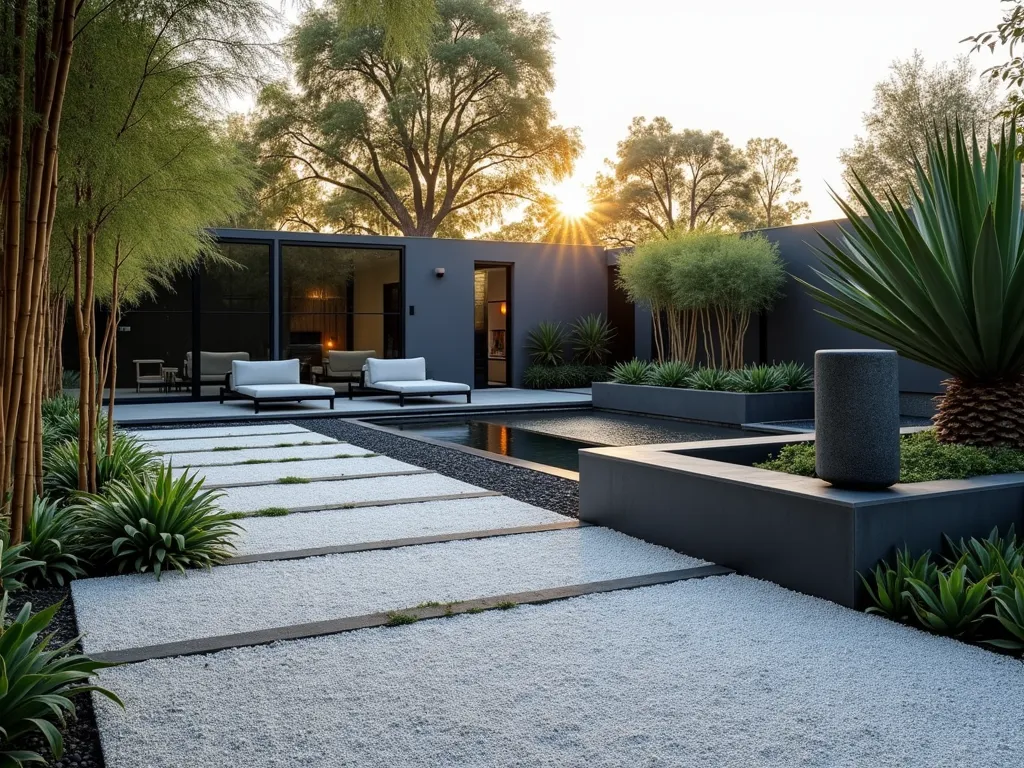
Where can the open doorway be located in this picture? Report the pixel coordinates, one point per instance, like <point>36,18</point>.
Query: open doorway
<point>492,318</point>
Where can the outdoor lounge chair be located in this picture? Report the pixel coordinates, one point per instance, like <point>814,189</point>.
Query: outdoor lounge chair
<point>270,381</point>
<point>349,367</point>
<point>213,366</point>
<point>408,378</point>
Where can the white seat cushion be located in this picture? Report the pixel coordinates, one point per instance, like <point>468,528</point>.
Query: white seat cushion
<point>284,390</point>
<point>424,387</point>
<point>264,372</point>
<point>411,369</point>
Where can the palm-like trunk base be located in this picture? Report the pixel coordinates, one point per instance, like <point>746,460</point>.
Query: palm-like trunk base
<point>989,415</point>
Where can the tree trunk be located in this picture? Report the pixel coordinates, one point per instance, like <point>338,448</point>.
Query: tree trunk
<point>987,414</point>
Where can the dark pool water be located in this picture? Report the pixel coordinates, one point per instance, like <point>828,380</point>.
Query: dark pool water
<point>555,438</point>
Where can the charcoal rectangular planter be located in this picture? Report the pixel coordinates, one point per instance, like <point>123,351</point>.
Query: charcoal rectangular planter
<point>702,405</point>
<point>705,500</point>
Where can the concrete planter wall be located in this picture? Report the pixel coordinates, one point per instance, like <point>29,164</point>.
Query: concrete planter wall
<point>795,531</point>
<point>701,405</point>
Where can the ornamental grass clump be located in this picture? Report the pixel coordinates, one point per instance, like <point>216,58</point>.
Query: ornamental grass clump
<point>52,542</point>
<point>129,457</point>
<point>756,378</point>
<point>939,276</point>
<point>591,337</point>
<point>671,373</point>
<point>546,343</point>
<point>634,372</point>
<point>155,523</point>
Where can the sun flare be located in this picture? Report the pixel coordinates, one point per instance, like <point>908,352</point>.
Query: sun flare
<point>573,199</point>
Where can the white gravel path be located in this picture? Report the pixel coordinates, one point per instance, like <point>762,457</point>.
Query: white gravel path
<point>724,672</point>
<point>242,441</point>
<point>351,526</point>
<point>220,458</point>
<point>334,493</point>
<point>225,431</point>
<point>314,468</point>
<point>129,611</point>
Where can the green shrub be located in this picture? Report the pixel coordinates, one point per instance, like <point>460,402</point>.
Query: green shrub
<point>154,523</point>
<point>671,373</point>
<point>952,604</point>
<point>633,372</point>
<point>889,592</point>
<point>922,459</point>
<point>713,379</point>
<point>590,337</point>
<point>546,343</point>
<point>38,683</point>
<point>129,458</point>
<point>795,376</point>
<point>70,379</point>
<point>61,421</point>
<point>756,378</point>
<point>13,564</point>
<point>53,540</point>
<point>1008,599</point>
<point>565,376</point>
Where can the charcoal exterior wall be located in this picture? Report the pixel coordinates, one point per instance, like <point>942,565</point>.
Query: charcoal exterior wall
<point>549,282</point>
<point>795,329</point>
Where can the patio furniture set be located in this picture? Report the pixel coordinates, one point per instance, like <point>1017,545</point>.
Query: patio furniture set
<point>268,381</point>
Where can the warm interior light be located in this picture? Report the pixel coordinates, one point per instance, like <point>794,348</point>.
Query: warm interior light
<point>330,344</point>
<point>504,308</point>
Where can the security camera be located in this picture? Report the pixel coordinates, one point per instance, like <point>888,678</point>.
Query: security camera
<point>439,273</point>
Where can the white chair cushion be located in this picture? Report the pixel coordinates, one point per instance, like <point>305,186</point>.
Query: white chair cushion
<point>410,369</point>
<point>264,372</point>
<point>424,387</point>
<point>284,390</point>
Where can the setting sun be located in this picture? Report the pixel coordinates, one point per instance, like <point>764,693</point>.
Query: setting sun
<point>573,199</point>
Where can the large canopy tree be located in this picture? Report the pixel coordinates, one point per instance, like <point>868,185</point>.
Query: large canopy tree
<point>664,180</point>
<point>908,106</point>
<point>435,143</point>
<point>775,184</point>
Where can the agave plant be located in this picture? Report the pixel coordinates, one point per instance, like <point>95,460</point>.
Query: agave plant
<point>795,376</point>
<point>889,592</point>
<point>634,372</point>
<point>953,604</point>
<point>13,564</point>
<point>943,282</point>
<point>714,379</point>
<point>155,523</point>
<point>591,336</point>
<point>546,343</point>
<point>129,458</point>
<point>757,378</point>
<point>52,542</point>
<point>671,373</point>
<point>37,684</point>
<point>1009,603</point>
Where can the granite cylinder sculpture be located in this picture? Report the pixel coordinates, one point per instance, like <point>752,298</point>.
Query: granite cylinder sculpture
<point>857,417</point>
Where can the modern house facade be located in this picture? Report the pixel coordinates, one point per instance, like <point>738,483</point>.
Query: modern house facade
<point>465,305</point>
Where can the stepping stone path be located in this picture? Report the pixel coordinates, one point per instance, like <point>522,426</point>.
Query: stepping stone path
<point>657,659</point>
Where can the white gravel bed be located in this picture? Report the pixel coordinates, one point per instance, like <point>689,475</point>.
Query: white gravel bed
<point>725,672</point>
<point>242,441</point>
<point>312,469</point>
<point>137,610</point>
<point>351,526</point>
<point>221,458</point>
<point>225,431</point>
<point>334,493</point>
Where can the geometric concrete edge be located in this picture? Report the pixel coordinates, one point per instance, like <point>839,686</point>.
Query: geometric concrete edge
<point>336,626</point>
<point>704,405</point>
<point>414,541</point>
<point>705,500</point>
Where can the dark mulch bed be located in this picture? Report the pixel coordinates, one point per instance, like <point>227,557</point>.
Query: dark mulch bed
<point>538,488</point>
<point>81,739</point>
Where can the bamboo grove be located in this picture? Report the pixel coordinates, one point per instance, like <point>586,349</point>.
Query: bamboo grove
<point>702,288</point>
<point>113,164</point>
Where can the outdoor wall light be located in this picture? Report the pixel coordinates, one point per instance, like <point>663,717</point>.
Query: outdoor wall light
<point>439,272</point>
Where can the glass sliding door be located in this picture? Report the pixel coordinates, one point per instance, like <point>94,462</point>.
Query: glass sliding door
<point>492,303</point>
<point>234,312</point>
<point>339,298</point>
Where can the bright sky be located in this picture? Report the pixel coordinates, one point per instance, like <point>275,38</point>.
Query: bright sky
<point>801,70</point>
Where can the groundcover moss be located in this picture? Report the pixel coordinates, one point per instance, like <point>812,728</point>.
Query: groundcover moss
<point>922,458</point>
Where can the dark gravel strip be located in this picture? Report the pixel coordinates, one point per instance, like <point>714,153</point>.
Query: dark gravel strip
<point>81,737</point>
<point>538,488</point>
